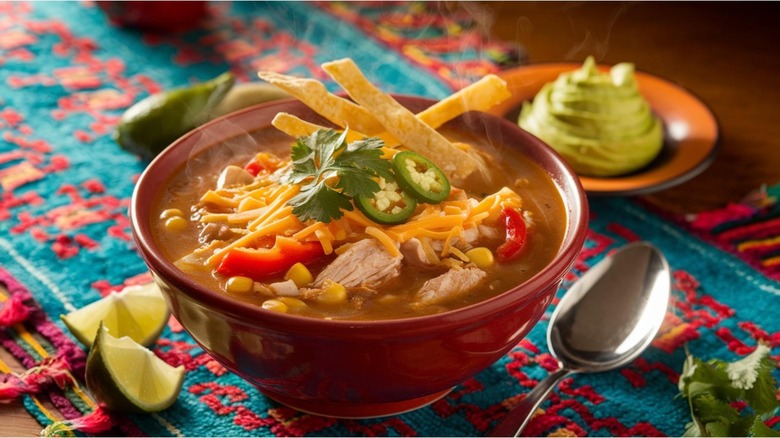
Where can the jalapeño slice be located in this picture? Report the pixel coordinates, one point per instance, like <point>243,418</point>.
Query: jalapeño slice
<point>389,206</point>
<point>421,178</point>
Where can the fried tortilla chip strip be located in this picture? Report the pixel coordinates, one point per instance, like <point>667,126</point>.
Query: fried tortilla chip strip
<point>402,123</point>
<point>479,96</point>
<point>293,126</point>
<point>296,127</point>
<point>313,93</point>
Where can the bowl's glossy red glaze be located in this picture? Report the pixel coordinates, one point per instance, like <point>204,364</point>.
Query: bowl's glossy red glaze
<point>354,368</point>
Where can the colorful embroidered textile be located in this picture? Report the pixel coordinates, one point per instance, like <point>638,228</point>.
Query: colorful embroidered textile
<point>66,75</point>
<point>750,229</point>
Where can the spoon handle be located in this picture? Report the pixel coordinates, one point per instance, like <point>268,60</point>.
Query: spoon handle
<point>516,419</point>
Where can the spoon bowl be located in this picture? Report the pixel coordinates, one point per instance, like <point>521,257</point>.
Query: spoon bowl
<point>604,321</point>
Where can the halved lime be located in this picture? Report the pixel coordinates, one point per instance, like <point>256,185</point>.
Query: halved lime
<point>139,312</point>
<point>125,376</point>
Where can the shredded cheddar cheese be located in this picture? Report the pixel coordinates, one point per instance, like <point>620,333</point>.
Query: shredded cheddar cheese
<point>459,254</point>
<point>325,238</point>
<point>214,198</point>
<point>259,210</point>
<point>306,232</point>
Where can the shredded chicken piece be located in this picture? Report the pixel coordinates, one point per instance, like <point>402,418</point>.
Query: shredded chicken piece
<point>285,289</point>
<point>415,254</point>
<point>366,263</point>
<point>452,284</point>
<point>234,176</point>
<point>214,231</point>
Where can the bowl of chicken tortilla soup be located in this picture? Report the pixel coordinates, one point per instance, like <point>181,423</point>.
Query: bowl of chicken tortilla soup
<point>349,274</point>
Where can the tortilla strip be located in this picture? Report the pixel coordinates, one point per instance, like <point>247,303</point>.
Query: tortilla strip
<point>313,93</point>
<point>479,96</point>
<point>400,122</point>
<point>296,127</point>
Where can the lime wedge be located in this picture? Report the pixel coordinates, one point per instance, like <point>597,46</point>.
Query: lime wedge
<point>139,312</point>
<point>125,376</point>
<point>150,125</point>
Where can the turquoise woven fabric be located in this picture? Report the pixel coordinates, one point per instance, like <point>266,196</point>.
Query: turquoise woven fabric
<point>66,75</point>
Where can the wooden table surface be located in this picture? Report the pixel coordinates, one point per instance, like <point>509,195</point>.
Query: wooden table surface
<point>726,53</point>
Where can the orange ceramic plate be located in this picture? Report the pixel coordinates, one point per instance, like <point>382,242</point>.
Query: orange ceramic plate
<point>691,130</point>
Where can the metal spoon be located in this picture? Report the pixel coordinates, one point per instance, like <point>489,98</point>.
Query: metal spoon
<point>604,321</point>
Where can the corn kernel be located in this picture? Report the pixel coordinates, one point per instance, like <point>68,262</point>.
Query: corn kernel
<point>171,212</point>
<point>275,306</point>
<point>293,304</point>
<point>239,285</point>
<point>481,256</point>
<point>332,293</point>
<point>299,274</point>
<point>175,224</point>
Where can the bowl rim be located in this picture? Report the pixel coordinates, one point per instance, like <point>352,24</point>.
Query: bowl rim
<point>575,205</point>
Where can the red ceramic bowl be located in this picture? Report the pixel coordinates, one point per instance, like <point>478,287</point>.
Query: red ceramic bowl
<point>354,368</point>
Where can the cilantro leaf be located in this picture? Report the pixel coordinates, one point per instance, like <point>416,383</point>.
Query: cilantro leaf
<point>303,163</point>
<point>319,201</point>
<point>332,172</point>
<point>708,377</point>
<point>352,183</point>
<point>714,386</point>
<point>312,153</point>
<point>325,144</point>
<point>761,429</point>
<point>361,158</point>
<point>692,429</point>
<point>366,155</point>
<point>717,416</point>
<point>753,374</point>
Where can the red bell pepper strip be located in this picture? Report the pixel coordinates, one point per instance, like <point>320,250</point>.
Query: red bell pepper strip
<point>516,234</point>
<point>264,263</point>
<point>254,167</point>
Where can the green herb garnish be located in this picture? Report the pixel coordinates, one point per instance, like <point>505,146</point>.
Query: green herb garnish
<point>714,389</point>
<point>332,172</point>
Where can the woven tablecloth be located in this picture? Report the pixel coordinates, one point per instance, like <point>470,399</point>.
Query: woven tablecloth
<point>66,76</point>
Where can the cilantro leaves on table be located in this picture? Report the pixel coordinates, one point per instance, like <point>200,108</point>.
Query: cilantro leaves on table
<point>331,172</point>
<point>717,390</point>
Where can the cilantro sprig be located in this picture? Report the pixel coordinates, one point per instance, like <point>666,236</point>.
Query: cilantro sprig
<point>714,388</point>
<point>331,172</point>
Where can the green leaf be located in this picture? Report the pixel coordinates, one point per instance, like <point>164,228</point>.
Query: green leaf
<point>325,144</point>
<point>753,374</point>
<point>321,203</point>
<point>689,366</point>
<point>692,429</point>
<point>354,183</point>
<point>710,377</point>
<point>742,426</point>
<point>715,415</point>
<point>366,155</point>
<point>304,166</point>
<point>744,372</point>
<point>332,172</point>
<point>301,151</point>
<point>760,428</point>
<point>718,429</point>
<point>712,387</point>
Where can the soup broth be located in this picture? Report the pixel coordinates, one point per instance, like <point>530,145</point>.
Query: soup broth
<point>542,211</point>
